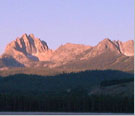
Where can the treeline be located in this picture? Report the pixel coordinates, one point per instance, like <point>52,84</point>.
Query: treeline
<point>42,71</point>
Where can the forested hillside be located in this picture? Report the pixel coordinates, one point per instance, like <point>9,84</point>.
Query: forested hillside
<point>73,92</point>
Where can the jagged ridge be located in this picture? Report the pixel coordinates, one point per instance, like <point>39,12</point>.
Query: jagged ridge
<point>31,51</point>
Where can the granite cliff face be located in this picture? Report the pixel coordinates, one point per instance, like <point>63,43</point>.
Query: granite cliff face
<point>28,48</point>
<point>27,45</point>
<point>29,51</point>
<point>126,48</point>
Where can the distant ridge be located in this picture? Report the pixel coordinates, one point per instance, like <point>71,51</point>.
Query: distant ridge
<point>30,51</point>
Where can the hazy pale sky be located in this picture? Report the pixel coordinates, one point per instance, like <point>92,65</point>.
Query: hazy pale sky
<point>61,21</point>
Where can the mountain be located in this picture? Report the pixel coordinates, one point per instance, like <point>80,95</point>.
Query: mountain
<point>29,51</point>
<point>105,55</point>
<point>27,48</point>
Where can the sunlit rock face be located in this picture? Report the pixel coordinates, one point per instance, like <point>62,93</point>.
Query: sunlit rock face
<point>68,52</point>
<point>30,51</point>
<point>126,48</point>
<point>27,48</point>
<point>27,45</point>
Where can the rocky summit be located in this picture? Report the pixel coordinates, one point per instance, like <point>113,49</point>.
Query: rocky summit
<point>30,51</point>
<point>27,48</point>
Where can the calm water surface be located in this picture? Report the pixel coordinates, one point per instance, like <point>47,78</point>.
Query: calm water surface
<point>59,113</point>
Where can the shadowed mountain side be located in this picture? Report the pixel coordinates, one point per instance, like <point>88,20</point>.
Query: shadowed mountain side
<point>9,61</point>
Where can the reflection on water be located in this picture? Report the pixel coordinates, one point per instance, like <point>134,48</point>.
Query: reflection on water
<point>59,113</point>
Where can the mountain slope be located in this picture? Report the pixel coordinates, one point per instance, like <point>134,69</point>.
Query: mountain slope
<point>67,53</point>
<point>9,61</point>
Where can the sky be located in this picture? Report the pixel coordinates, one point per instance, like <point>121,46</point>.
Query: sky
<point>60,21</point>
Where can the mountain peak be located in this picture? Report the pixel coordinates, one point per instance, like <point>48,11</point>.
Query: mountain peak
<point>27,37</point>
<point>107,44</point>
<point>29,48</point>
<point>32,35</point>
<point>24,36</point>
<point>27,45</point>
<point>106,39</point>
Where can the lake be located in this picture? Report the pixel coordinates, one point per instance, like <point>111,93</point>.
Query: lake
<point>60,113</point>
